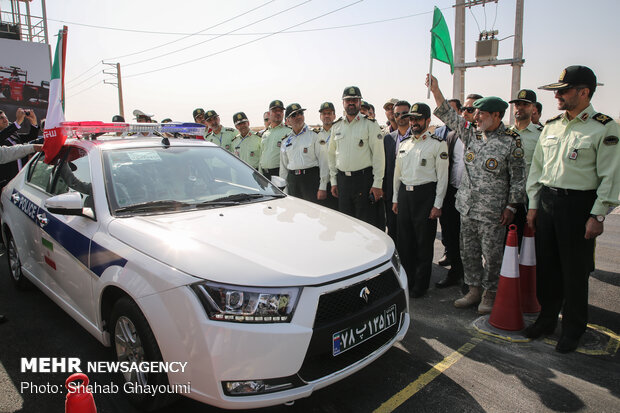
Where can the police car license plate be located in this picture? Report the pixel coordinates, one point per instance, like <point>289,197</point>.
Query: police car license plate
<point>350,337</point>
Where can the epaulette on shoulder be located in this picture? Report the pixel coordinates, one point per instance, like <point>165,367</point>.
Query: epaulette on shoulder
<point>539,128</point>
<point>230,129</point>
<point>371,119</point>
<point>260,134</point>
<point>512,133</point>
<point>553,119</point>
<point>316,130</point>
<point>337,120</point>
<point>604,119</point>
<point>436,137</point>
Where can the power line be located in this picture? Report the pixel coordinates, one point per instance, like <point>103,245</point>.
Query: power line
<point>84,72</point>
<point>495,18</point>
<point>246,43</point>
<point>84,90</point>
<point>215,38</point>
<point>476,20</point>
<point>193,34</point>
<point>83,81</point>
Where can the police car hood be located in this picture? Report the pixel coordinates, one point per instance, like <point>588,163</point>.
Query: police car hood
<point>280,242</point>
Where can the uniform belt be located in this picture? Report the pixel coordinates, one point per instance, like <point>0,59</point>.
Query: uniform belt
<point>568,192</point>
<point>410,188</point>
<point>271,171</point>
<point>355,173</point>
<point>302,171</point>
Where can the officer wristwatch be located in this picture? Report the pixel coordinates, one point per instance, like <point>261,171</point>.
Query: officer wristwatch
<point>599,218</point>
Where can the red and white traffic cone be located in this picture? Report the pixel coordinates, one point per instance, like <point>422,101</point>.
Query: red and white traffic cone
<point>79,398</point>
<point>506,313</point>
<point>527,273</point>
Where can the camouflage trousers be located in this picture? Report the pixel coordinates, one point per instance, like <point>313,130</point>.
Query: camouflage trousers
<point>482,250</point>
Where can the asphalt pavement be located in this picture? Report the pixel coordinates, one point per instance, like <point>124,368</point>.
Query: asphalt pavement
<point>444,364</point>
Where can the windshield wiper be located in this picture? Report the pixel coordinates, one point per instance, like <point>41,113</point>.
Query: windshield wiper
<point>238,198</point>
<point>153,206</point>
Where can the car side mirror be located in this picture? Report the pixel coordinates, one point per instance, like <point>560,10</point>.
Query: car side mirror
<point>70,203</point>
<point>278,181</point>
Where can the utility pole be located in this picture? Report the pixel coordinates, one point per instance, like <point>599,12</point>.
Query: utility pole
<point>458,82</point>
<point>118,83</point>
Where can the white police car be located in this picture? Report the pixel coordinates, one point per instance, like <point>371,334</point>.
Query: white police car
<point>174,250</point>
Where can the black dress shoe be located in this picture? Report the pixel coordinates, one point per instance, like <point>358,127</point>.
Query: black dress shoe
<point>444,261</point>
<point>447,281</point>
<point>417,294</point>
<point>567,344</point>
<point>538,329</point>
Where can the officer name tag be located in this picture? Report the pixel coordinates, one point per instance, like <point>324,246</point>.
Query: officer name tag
<point>423,162</point>
<point>573,155</point>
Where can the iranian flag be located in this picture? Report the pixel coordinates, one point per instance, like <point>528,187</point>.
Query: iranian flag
<point>54,137</point>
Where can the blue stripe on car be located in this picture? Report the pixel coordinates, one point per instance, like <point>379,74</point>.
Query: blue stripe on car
<point>73,241</point>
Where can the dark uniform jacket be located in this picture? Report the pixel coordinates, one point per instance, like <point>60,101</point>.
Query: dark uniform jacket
<point>10,137</point>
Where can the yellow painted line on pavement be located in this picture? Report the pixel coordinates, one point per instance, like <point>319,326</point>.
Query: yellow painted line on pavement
<point>424,379</point>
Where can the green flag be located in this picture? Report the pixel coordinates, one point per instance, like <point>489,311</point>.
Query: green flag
<point>441,46</point>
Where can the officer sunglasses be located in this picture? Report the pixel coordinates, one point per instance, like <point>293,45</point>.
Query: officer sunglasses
<point>469,109</point>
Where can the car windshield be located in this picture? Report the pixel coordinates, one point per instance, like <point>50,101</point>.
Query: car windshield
<point>177,178</point>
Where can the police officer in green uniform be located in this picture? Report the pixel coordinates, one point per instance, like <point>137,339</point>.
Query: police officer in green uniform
<point>327,113</point>
<point>523,107</point>
<point>574,181</point>
<point>492,184</point>
<point>272,140</point>
<point>420,183</point>
<point>247,144</point>
<point>302,162</point>
<point>356,160</point>
<point>219,135</point>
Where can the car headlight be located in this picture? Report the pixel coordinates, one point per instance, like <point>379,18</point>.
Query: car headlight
<point>396,262</point>
<point>247,304</point>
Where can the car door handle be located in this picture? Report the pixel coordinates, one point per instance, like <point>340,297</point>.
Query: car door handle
<point>15,197</point>
<point>43,221</point>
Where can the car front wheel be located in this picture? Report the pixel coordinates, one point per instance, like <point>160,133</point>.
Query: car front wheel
<point>134,342</point>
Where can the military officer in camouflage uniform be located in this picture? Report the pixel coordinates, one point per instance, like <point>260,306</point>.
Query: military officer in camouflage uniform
<point>492,184</point>
<point>272,140</point>
<point>219,135</point>
<point>574,181</point>
<point>247,144</point>
<point>327,113</point>
<point>357,160</point>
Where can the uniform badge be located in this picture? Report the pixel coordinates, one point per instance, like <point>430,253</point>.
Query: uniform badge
<point>305,150</point>
<point>610,140</point>
<point>423,162</point>
<point>469,156</point>
<point>443,155</point>
<point>573,155</point>
<point>251,153</point>
<point>322,142</point>
<point>227,147</point>
<point>585,117</point>
<point>491,164</point>
<point>562,75</point>
<point>604,119</point>
<point>518,153</point>
<point>518,143</point>
<point>279,144</point>
<point>522,94</point>
<point>379,136</point>
<point>361,143</point>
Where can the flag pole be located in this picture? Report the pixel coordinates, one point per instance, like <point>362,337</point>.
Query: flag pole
<point>430,71</point>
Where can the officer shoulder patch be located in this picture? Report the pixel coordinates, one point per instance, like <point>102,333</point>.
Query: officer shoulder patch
<point>604,119</point>
<point>260,134</point>
<point>553,119</point>
<point>443,155</point>
<point>372,120</point>
<point>316,130</point>
<point>230,129</point>
<point>491,164</point>
<point>518,153</point>
<point>539,128</point>
<point>436,137</point>
<point>337,120</point>
<point>512,133</point>
<point>610,140</point>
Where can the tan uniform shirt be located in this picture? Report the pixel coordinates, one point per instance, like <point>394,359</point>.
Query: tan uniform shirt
<point>356,145</point>
<point>248,148</point>
<point>581,154</point>
<point>223,139</point>
<point>272,141</point>
<point>303,151</point>
<point>420,161</point>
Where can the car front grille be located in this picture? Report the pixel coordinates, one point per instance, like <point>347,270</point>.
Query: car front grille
<point>342,309</point>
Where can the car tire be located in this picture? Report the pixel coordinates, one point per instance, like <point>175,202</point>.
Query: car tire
<point>15,265</point>
<point>133,341</point>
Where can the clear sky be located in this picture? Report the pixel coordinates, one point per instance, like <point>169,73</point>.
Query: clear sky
<point>308,63</point>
